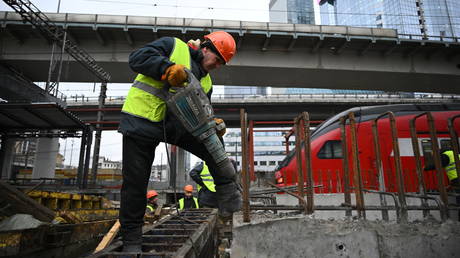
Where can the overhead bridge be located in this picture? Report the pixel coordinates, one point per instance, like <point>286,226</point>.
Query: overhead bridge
<point>269,54</point>
<point>276,108</point>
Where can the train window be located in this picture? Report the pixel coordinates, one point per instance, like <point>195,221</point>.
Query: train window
<point>331,150</point>
<point>272,163</point>
<point>263,163</point>
<point>427,151</point>
<point>255,163</point>
<point>445,144</point>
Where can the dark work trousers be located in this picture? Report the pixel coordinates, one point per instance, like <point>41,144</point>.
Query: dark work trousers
<point>207,199</point>
<point>138,156</point>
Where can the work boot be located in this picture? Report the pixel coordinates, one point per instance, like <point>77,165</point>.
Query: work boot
<point>132,239</point>
<point>229,199</point>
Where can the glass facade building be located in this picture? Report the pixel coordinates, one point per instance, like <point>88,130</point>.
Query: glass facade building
<point>412,18</point>
<point>292,11</point>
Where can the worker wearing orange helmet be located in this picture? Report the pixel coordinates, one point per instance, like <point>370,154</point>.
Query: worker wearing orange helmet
<point>145,122</point>
<point>152,201</point>
<point>189,201</point>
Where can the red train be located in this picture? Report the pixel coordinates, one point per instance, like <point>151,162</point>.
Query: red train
<point>326,148</point>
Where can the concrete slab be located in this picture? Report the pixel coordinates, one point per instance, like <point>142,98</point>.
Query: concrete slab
<point>304,236</point>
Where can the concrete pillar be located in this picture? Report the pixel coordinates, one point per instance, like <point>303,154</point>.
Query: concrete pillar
<point>45,158</point>
<point>6,157</point>
<point>180,168</point>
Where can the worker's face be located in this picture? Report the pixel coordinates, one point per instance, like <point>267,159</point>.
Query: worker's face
<point>210,60</point>
<point>153,200</point>
<point>188,194</point>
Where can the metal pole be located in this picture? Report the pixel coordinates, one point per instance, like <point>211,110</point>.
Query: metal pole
<point>357,182</point>
<point>97,141</point>
<point>252,174</point>
<point>418,163</point>
<point>87,158</point>
<point>397,163</point>
<point>298,152</point>
<point>81,157</point>
<point>310,192</point>
<point>378,160</point>
<point>437,163</point>
<point>345,161</point>
<point>244,165</point>
<point>58,79</point>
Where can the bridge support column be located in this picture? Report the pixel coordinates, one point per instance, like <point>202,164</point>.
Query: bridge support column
<point>182,158</point>
<point>45,158</point>
<point>6,157</point>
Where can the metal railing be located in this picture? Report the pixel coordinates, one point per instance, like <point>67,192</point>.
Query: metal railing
<point>398,184</point>
<point>74,99</point>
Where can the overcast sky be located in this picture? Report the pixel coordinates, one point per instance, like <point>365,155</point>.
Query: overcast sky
<point>245,10</point>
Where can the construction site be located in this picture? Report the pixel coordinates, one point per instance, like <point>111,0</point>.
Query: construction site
<point>343,140</point>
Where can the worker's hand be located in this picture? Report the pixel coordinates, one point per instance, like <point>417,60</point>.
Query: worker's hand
<point>220,128</point>
<point>195,44</point>
<point>175,75</point>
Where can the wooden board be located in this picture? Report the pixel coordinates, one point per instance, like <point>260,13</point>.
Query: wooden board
<point>108,237</point>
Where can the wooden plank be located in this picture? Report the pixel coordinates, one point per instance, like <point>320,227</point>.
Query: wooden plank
<point>108,237</point>
<point>158,211</point>
<point>21,203</point>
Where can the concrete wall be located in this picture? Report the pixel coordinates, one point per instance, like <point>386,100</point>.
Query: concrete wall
<point>369,199</point>
<point>306,237</point>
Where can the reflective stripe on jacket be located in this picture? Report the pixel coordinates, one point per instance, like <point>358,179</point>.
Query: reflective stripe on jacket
<point>150,208</point>
<point>181,203</point>
<point>451,169</point>
<point>146,96</point>
<point>208,181</point>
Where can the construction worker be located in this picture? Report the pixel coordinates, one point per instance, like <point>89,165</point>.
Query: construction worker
<point>205,184</point>
<point>152,201</point>
<point>207,197</point>
<point>448,163</point>
<point>189,201</point>
<point>145,122</point>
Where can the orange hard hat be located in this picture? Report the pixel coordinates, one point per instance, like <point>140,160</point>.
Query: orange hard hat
<point>151,193</point>
<point>224,44</point>
<point>188,188</point>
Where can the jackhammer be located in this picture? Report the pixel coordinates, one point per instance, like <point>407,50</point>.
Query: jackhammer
<point>192,108</point>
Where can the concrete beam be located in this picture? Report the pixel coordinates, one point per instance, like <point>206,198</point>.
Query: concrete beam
<point>363,51</point>
<point>99,36</point>
<point>390,50</point>
<point>128,36</point>
<point>317,45</point>
<point>13,34</point>
<point>413,51</point>
<point>292,43</point>
<point>338,50</point>
<point>71,36</point>
<point>266,43</point>
<point>239,42</point>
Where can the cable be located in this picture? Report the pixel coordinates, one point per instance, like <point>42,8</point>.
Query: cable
<point>268,10</point>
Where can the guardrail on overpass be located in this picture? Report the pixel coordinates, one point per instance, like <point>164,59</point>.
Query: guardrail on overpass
<point>78,100</point>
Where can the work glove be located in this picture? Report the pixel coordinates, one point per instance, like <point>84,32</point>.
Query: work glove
<point>175,75</point>
<point>220,127</point>
<point>195,44</point>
